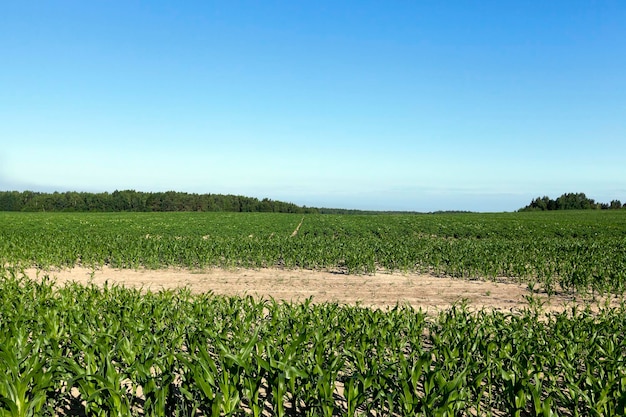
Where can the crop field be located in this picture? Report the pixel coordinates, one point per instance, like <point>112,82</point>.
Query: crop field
<point>82,349</point>
<point>570,251</point>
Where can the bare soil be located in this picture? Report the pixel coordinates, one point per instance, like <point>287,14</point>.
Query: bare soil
<point>379,291</point>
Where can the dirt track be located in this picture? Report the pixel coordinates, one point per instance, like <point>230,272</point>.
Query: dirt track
<point>379,290</point>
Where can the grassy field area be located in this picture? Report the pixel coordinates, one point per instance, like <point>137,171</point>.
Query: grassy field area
<point>114,351</point>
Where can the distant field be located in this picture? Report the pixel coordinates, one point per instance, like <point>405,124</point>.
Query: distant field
<point>568,250</point>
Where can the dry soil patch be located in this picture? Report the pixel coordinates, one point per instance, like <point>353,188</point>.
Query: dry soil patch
<point>379,290</point>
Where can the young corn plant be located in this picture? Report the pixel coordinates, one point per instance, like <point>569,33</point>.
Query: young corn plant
<point>27,376</point>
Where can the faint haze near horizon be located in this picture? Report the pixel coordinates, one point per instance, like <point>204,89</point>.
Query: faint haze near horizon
<point>360,104</point>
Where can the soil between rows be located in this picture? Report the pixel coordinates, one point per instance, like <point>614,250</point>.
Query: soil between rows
<point>379,291</point>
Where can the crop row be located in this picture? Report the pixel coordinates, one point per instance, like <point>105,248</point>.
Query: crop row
<point>112,351</point>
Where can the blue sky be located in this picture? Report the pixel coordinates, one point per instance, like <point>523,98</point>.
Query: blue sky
<point>386,105</point>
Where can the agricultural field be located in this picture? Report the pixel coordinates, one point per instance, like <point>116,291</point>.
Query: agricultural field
<point>114,351</point>
<point>108,350</point>
<point>566,251</point>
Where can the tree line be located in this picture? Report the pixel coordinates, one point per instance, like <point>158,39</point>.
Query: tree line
<point>571,201</point>
<point>137,201</point>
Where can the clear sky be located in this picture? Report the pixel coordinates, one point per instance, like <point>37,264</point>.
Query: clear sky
<point>386,105</point>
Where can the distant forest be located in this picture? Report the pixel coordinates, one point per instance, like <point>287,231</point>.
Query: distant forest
<point>137,201</point>
<point>570,201</point>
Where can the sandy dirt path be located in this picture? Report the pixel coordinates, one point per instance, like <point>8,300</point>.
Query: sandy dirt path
<point>379,290</point>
